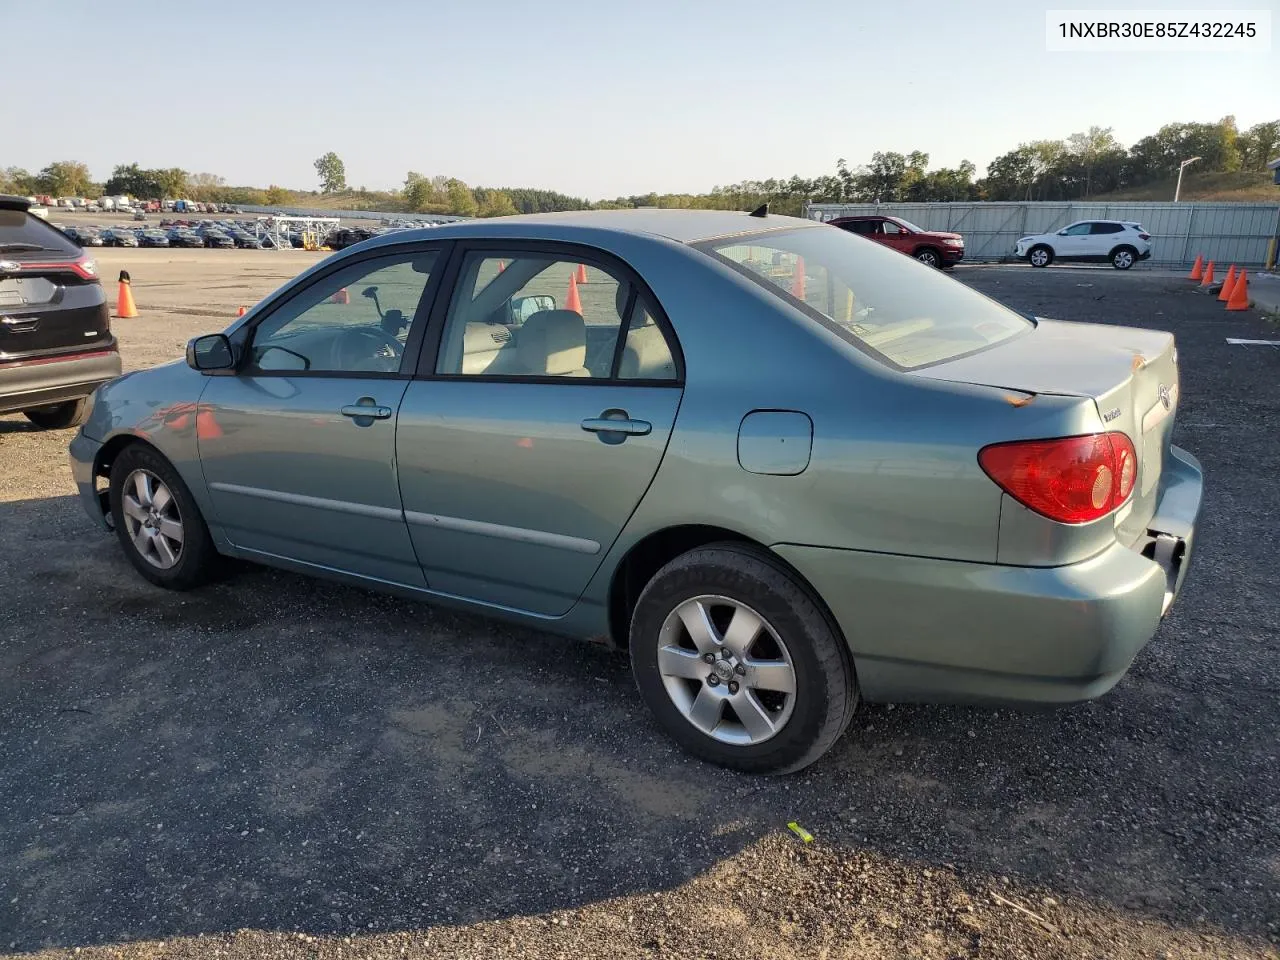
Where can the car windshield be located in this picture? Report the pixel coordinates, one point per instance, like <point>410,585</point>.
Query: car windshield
<point>910,226</point>
<point>899,311</point>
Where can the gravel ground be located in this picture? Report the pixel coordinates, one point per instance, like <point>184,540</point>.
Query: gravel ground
<point>280,767</point>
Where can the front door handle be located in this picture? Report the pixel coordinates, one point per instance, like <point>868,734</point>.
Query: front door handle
<point>615,425</point>
<point>366,408</point>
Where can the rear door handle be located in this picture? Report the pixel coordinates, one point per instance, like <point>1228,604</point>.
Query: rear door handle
<point>366,409</point>
<point>619,423</point>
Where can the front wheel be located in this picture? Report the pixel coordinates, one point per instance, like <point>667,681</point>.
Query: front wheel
<point>928,256</point>
<point>1123,258</point>
<point>738,661</point>
<point>59,416</point>
<point>157,521</point>
<point>1040,256</point>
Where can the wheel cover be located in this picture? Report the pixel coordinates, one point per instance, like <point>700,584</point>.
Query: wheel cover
<point>152,519</point>
<point>1124,259</point>
<point>726,670</point>
<point>1039,257</point>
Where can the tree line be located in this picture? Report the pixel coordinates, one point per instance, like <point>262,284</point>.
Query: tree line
<point>1080,166</point>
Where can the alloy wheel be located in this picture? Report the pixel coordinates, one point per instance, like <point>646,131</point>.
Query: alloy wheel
<point>928,258</point>
<point>1039,258</point>
<point>152,519</point>
<point>726,670</point>
<point>1123,260</point>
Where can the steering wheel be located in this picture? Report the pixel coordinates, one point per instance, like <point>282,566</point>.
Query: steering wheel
<point>367,348</point>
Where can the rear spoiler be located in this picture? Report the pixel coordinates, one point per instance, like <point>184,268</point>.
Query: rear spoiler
<point>8,202</point>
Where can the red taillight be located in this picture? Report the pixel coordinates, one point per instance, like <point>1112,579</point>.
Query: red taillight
<point>84,268</point>
<point>1144,236</point>
<point>1071,480</point>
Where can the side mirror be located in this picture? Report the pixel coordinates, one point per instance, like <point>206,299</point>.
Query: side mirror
<point>210,352</point>
<point>522,308</point>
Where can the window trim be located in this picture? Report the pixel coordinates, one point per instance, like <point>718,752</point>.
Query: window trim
<point>242,337</point>
<point>557,249</point>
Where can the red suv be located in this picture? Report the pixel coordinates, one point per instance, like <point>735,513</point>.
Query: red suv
<point>935,249</point>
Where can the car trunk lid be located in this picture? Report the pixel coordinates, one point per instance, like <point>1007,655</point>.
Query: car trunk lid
<point>1130,374</point>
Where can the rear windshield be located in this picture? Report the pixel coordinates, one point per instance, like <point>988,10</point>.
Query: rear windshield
<point>22,234</point>
<point>903,313</point>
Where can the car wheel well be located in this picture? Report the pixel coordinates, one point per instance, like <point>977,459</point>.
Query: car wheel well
<point>652,553</point>
<point>112,449</point>
<point>1122,246</point>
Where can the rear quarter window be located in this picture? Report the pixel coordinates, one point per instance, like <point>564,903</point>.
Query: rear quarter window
<point>888,305</point>
<point>21,231</point>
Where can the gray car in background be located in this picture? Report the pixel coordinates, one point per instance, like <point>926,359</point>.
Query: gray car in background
<point>784,466</point>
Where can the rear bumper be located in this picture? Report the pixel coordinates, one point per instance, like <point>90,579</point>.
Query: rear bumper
<point>39,382</point>
<point>926,630</point>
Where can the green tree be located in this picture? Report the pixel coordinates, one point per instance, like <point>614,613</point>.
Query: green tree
<point>494,203</point>
<point>171,182</point>
<point>1259,145</point>
<point>421,195</point>
<point>18,181</point>
<point>277,196</point>
<point>333,173</point>
<point>64,178</point>
<point>461,201</point>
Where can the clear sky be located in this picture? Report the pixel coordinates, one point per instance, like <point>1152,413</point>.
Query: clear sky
<point>594,99</point>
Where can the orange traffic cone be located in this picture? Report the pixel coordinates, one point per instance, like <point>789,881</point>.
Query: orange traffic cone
<point>797,279</point>
<point>125,307</point>
<point>582,273</point>
<point>1198,270</point>
<point>207,426</point>
<point>1208,275</point>
<point>1225,293</point>
<point>502,265</point>
<point>1240,293</point>
<point>341,296</point>
<point>573,301</point>
<point>241,312</point>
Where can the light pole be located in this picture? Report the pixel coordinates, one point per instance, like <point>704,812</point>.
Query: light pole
<point>1182,166</point>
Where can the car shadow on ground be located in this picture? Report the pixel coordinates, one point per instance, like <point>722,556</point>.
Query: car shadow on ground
<point>275,752</point>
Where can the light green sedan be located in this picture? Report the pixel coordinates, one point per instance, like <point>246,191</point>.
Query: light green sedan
<point>784,467</point>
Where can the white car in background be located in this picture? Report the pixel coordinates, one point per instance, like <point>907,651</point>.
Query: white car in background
<point>1122,243</point>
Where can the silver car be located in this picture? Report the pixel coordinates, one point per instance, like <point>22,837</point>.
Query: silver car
<point>785,467</point>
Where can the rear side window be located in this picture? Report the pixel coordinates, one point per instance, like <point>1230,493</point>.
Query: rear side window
<point>861,227</point>
<point>1107,228</point>
<point>22,233</point>
<point>900,312</point>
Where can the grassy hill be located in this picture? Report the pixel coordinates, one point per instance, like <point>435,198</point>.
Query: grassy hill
<point>350,200</point>
<point>1238,187</point>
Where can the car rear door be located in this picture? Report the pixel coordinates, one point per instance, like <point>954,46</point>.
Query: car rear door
<point>298,445</point>
<point>1103,235</point>
<point>541,413</point>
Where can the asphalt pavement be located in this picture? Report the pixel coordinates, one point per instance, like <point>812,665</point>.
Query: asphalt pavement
<point>277,766</point>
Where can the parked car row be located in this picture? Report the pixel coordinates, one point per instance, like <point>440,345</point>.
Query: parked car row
<point>223,234</point>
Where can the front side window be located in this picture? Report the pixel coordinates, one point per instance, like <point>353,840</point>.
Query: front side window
<point>889,228</point>
<point>1077,230</point>
<point>355,320</point>
<point>533,314</point>
<point>888,305</point>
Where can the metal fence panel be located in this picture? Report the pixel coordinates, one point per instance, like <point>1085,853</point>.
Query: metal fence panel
<point>1226,232</point>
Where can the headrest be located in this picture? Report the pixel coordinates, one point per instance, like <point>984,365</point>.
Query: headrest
<point>553,343</point>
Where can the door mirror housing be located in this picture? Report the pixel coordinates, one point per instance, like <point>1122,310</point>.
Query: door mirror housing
<point>522,308</point>
<point>210,352</point>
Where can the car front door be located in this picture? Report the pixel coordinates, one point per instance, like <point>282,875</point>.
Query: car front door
<point>1072,242</point>
<point>298,446</point>
<point>542,411</point>
<point>894,235</point>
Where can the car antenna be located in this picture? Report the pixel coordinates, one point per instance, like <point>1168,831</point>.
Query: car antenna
<point>760,211</point>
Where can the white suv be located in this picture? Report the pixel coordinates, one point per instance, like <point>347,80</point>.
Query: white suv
<point>1122,243</point>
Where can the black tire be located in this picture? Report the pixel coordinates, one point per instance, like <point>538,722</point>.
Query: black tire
<point>929,257</point>
<point>59,416</point>
<point>1122,258</point>
<point>198,561</point>
<point>1040,253</point>
<point>826,692</point>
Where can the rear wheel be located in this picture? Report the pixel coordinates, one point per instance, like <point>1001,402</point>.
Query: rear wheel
<point>157,520</point>
<point>739,662</point>
<point>59,416</point>
<point>1122,258</point>
<point>1040,256</point>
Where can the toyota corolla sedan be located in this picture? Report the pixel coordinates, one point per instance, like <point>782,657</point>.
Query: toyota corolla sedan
<point>784,467</point>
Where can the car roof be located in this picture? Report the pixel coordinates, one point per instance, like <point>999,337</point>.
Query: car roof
<point>682,226</point>
<point>9,202</point>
